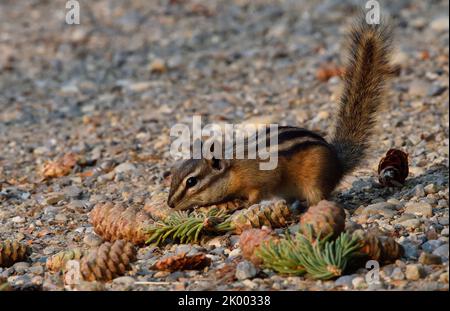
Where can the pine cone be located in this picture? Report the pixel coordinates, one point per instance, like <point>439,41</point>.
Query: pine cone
<point>381,248</point>
<point>108,261</point>
<point>182,262</point>
<point>270,214</point>
<point>114,222</point>
<point>325,218</point>
<point>12,252</point>
<point>157,207</point>
<point>251,239</point>
<point>226,207</point>
<point>393,168</point>
<point>58,261</point>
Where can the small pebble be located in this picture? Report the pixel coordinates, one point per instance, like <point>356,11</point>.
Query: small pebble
<point>245,270</point>
<point>397,274</point>
<point>345,281</point>
<point>124,167</point>
<point>414,272</point>
<point>92,240</point>
<point>431,245</point>
<point>442,251</point>
<point>420,208</point>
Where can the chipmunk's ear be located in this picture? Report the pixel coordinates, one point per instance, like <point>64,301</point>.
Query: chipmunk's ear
<point>218,164</point>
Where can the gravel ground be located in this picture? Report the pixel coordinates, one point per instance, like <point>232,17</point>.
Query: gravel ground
<point>110,88</point>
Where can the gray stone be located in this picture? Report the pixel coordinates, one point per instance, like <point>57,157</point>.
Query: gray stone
<point>420,208</point>
<point>50,210</point>
<point>418,88</point>
<point>397,274</point>
<point>245,270</point>
<point>430,189</point>
<point>253,285</point>
<point>77,205</point>
<point>410,223</point>
<point>21,267</point>
<point>442,251</point>
<point>445,232</point>
<point>61,218</point>
<point>37,269</point>
<point>431,245</point>
<point>414,272</point>
<point>106,177</point>
<point>419,191</point>
<point>440,24</point>
<point>234,253</point>
<point>385,209</point>
<point>404,217</point>
<point>53,198</point>
<point>411,250</point>
<point>345,281</point>
<point>436,90</point>
<point>73,192</point>
<point>443,203</point>
<point>218,241</point>
<point>18,220</point>
<point>92,240</point>
<point>183,249</point>
<point>174,276</point>
<point>443,220</point>
<point>124,280</point>
<point>124,167</point>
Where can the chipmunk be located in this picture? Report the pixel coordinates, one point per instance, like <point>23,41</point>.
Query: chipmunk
<point>309,168</point>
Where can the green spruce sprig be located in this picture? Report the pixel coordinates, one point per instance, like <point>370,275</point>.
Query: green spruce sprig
<point>187,227</point>
<point>282,255</point>
<point>321,258</point>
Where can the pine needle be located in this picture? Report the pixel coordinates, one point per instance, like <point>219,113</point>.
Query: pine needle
<point>320,258</point>
<point>187,227</point>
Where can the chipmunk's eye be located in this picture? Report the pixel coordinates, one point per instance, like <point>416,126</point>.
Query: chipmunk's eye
<point>191,182</point>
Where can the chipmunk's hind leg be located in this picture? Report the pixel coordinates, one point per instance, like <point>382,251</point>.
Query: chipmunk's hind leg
<point>315,172</point>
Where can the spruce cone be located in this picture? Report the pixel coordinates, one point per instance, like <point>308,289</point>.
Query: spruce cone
<point>381,248</point>
<point>12,252</point>
<point>325,218</point>
<point>108,261</point>
<point>393,168</point>
<point>270,214</point>
<point>252,239</point>
<point>226,207</point>
<point>114,222</point>
<point>58,261</point>
<point>157,207</point>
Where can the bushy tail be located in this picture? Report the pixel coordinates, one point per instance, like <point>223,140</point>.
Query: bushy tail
<point>367,71</point>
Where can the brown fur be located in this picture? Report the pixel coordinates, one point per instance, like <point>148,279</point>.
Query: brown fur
<point>367,71</point>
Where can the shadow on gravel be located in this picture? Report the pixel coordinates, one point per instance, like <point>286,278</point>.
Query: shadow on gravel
<point>364,191</point>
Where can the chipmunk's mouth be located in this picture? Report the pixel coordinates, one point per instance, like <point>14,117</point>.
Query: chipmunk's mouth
<point>186,207</point>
